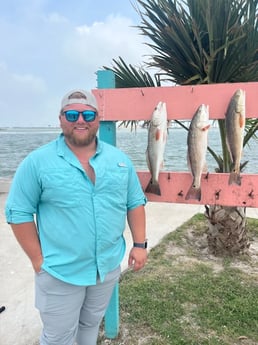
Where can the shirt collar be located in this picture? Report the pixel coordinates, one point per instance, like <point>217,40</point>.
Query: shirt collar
<point>63,149</point>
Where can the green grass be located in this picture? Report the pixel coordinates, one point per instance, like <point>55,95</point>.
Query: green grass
<point>186,297</point>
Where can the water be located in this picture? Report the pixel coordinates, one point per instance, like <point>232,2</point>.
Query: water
<point>16,143</point>
<point>135,143</point>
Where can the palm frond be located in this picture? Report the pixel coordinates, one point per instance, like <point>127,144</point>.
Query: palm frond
<point>250,130</point>
<point>127,76</point>
<point>130,76</point>
<point>198,42</point>
<point>202,41</point>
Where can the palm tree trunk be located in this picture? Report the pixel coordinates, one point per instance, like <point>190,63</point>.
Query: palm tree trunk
<point>227,234</point>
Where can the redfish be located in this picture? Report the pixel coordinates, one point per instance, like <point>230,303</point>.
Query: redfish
<point>197,142</point>
<point>235,125</point>
<point>157,138</point>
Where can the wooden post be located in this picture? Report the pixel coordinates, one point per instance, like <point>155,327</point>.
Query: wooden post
<point>107,129</point>
<point>107,133</point>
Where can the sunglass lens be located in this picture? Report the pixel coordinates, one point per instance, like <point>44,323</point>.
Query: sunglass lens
<point>72,115</point>
<point>89,115</point>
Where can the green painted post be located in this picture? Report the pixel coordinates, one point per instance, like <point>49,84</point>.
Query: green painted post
<point>107,133</point>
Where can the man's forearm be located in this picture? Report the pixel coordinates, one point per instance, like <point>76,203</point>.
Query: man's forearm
<point>27,236</point>
<point>136,221</point>
<point>137,225</point>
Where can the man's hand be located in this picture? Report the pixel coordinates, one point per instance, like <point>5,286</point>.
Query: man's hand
<point>137,258</point>
<point>37,263</point>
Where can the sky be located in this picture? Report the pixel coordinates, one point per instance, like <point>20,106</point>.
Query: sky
<point>49,47</point>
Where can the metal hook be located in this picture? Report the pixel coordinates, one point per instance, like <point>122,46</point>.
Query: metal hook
<point>142,92</point>
<point>217,193</point>
<point>180,193</point>
<point>251,194</point>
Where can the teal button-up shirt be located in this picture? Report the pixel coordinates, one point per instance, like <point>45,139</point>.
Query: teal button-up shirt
<point>80,223</point>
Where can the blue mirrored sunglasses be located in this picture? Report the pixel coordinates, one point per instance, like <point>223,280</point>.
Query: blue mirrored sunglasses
<point>73,115</point>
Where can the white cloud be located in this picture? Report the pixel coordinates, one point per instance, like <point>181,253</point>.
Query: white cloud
<point>89,48</point>
<point>49,54</point>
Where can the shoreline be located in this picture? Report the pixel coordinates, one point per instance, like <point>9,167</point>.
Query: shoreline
<point>5,184</point>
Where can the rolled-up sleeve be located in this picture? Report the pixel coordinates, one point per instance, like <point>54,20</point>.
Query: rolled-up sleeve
<point>24,194</point>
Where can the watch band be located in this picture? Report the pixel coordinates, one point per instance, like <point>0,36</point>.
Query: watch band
<point>140,245</point>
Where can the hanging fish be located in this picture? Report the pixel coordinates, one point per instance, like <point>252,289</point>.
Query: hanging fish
<point>157,137</point>
<point>235,125</point>
<point>197,142</point>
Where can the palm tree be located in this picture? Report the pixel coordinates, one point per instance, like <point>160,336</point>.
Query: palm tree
<point>203,42</point>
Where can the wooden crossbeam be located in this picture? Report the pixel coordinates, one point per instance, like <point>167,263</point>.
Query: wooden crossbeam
<point>215,189</point>
<point>182,101</point>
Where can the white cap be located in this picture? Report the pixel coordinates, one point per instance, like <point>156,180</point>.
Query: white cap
<point>79,96</point>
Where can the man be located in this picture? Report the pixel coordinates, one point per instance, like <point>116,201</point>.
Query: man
<point>81,191</point>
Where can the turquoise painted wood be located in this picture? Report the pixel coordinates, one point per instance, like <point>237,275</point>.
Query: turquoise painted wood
<point>107,133</point>
<point>107,129</point>
<point>111,320</point>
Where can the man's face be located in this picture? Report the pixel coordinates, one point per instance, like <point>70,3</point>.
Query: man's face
<point>80,132</point>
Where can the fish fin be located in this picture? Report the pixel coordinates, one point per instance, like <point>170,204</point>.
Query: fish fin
<point>193,193</point>
<point>158,134</point>
<point>205,128</point>
<point>203,125</point>
<point>153,188</point>
<point>241,121</point>
<point>234,178</point>
<point>148,160</point>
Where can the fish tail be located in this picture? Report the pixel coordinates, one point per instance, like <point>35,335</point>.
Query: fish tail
<point>234,178</point>
<point>194,193</point>
<point>153,187</point>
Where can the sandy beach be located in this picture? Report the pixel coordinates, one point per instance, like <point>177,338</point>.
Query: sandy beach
<point>19,322</point>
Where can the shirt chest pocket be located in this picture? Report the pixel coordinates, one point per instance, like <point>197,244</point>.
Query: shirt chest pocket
<point>116,180</point>
<point>61,188</point>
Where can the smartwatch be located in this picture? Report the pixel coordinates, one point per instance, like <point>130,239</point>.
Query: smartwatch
<point>141,245</point>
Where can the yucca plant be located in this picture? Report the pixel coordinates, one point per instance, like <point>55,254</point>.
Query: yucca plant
<point>203,42</point>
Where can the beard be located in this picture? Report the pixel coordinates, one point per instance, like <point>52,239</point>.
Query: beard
<point>78,141</point>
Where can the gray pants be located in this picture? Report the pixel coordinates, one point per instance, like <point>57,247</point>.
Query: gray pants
<point>71,312</point>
